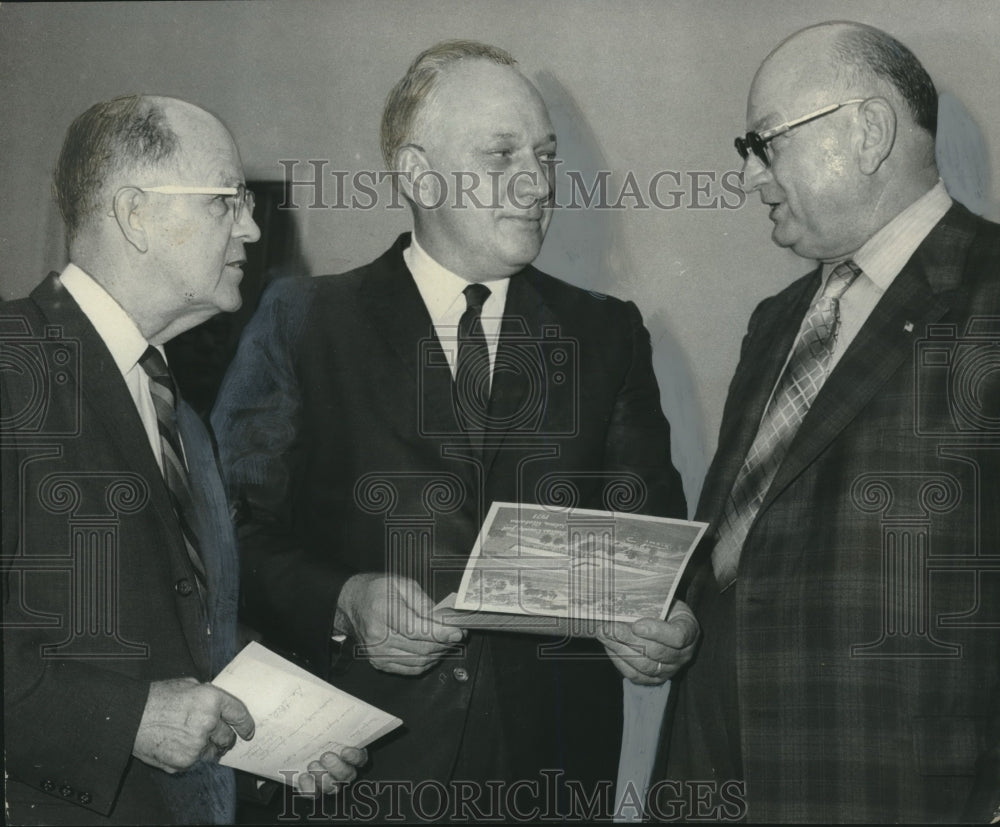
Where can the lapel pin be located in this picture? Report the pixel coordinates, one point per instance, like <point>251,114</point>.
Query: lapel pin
<point>908,327</point>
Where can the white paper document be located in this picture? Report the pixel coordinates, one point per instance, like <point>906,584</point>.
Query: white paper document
<point>298,716</point>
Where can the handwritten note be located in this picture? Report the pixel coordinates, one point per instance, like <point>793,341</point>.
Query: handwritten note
<point>298,716</point>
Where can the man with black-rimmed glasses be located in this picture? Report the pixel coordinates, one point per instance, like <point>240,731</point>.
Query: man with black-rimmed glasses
<point>847,594</point>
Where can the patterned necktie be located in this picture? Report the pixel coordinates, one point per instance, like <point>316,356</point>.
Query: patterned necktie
<point>161,388</point>
<point>804,375</point>
<point>472,369</point>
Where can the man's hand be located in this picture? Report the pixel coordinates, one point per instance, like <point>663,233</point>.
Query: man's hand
<point>334,769</point>
<point>185,722</point>
<point>650,651</point>
<point>392,617</point>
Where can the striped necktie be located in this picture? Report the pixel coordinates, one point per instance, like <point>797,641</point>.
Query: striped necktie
<point>162,390</point>
<point>804,375</point>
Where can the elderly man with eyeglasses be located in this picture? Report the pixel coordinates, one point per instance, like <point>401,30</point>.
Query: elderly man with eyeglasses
<point>848,590</point>
<point>119,563</point>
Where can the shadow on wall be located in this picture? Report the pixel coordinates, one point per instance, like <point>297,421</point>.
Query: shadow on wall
<point>963,157</point>
<point>587,247</point>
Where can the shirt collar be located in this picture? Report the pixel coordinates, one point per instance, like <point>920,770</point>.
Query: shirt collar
<point>440,288</point>
<point>885,254</point>
<point>115,327</point>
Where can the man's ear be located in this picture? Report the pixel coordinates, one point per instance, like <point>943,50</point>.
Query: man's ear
<point>878,119</point>
<point>127,210</point>
<point>420,184</point>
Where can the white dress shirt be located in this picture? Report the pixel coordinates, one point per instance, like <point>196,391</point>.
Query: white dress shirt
<point>123,339</point>
<point>442,293</point>
<point>881,259</point>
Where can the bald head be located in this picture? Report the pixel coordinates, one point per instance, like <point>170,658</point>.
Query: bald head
<point>842,60</point>
<point>156,209</point>
<point>849,116</point>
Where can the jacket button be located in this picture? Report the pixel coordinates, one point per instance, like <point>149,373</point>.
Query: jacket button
<point>460,674</point>
<point>84,798</point>
<point>66,791</point>
<point>48,785</point>
<point>183,587</point>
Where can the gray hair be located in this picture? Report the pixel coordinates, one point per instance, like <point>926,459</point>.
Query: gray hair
<point>408,96</point>
<point>107,139</point>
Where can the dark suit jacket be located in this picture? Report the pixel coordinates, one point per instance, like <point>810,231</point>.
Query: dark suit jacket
<point>339,440</point>
<point>98,593</point>
<point>866,606</point>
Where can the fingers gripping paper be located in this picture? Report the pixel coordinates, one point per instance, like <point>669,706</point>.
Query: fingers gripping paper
<point>298,716</point>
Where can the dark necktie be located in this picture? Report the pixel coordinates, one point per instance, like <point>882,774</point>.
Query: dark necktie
<point>804,375</point>
<point>162,389</point>
<point>472,369</point>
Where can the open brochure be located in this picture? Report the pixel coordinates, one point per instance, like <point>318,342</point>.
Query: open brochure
<point>569,571</point>
<point>298,716</point>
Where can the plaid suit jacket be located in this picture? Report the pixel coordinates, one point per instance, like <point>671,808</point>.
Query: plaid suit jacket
<point>868,594</point>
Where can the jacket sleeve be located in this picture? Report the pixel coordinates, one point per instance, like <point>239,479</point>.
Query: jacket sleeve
<point>638,435</point>
<point>69,728</point>
<point>289,592</point>
<point>69,725</point>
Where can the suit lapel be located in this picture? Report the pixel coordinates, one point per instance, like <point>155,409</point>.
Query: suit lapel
<point>519,365</point>
<point>107,405</point>
<point>399,317</point>
<point>751,388</point>
<point>100,384</point>
<point>921,294</point>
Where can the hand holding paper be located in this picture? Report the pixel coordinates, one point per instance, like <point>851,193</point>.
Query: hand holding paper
<point>393,617</point>
<point>309,734</point>
<point>333,769</point>
<point>650,651</point>
<point>185,722</point>
<point>585,573</point>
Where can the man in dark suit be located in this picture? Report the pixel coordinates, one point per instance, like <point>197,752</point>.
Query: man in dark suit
<point>848,669</point>
<point>371,418</point>
<point>120,569</point>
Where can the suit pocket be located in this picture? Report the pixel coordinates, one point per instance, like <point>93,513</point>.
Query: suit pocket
<point>948,744</point>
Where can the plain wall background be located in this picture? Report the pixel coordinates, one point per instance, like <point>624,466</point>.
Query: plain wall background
<point>631,86</point>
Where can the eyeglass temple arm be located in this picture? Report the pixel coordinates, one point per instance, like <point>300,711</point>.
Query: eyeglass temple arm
<point>176,189</point>
<point>819,113</point>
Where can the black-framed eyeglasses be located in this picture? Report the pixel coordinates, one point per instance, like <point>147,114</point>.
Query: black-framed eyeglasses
<point>241,199</point>
<point>756,142</point>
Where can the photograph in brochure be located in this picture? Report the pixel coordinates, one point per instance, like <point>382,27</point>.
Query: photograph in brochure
<point>552,570</point>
